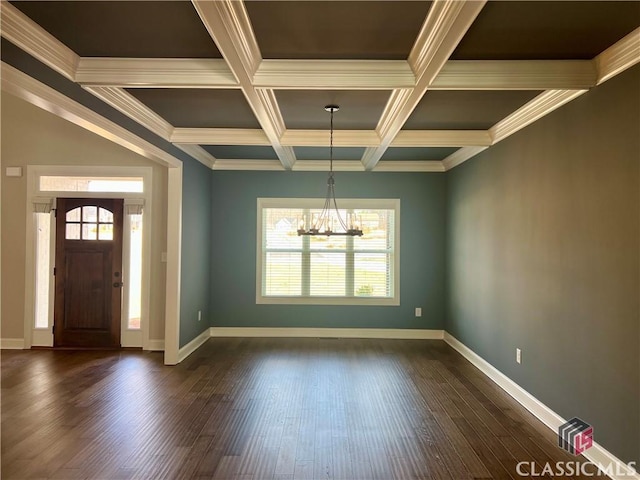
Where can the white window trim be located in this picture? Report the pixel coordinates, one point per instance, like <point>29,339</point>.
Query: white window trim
<point>128,337</point>
<point>317,203</point>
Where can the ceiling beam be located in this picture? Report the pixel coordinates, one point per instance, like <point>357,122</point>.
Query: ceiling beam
<point>444,27</point>
<point>36,41</point>
<point>155,72</point>
<point>339,74</point>
<point>334,74</point>
<point>441,138</point>
<point>197,152</point>
<point>515,75</point>
<point>229,26</point>
<point>540,106</point>
<point>220,136</point>
<point>460,156</point>
<point>320,138</point>
<point>623,54</point>
<point>126,103</point>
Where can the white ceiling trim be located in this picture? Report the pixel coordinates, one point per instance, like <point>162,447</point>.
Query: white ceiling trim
<point>460,156</point>
<point>228,24</point>
<point>540,106</point>
<point>220,136</point>
<point>515,75</point>
<point>441,138</point>
<point>254,165</point>
<point>444,27</point>
<point>126,103</point>
<point>618,57</point>
<point>199,153</point>
<point>23,86</point>
<point>334,74</point>
<point>409,166</point>
<point>155,72</point>
<point>323,166</point>
<point>340,74</point>
<point>36,41</point>
<point>320,138</point>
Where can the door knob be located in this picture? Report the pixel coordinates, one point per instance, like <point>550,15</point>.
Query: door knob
<point>118,284</point>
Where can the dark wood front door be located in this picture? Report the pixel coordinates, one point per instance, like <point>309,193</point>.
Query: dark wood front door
<point>88,273</point>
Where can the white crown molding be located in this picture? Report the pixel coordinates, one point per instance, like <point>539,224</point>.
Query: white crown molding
<point>441,138</point>
<point>220,136</point>
<point>302,332</point>
<point>515,75</point>
<point>409,166</point>
<point>323,166</point>
<point>242,164</point>
<point>460,156</point>
<point>156,72</point>
<point>540,106</point>
<point>444,27</point>
<point>392,111</point>
<point>126,103</point>
<point>23,86</point>
<point>320,138</point>
<point>238,30</point>
<point>36,41</point>
<point>197,152</point>
<point>618,57</point>
<point>334,74</point>
<point>597,454</point>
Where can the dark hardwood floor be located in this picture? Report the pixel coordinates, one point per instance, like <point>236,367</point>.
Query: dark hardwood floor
<point>254,409</point>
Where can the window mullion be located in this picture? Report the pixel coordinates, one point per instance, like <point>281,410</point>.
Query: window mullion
<point>349,277</point>
<point>306,258</point>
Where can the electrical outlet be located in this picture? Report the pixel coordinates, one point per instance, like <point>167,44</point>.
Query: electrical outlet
<point>418,312</point>
<point>518,355</point>
<point>199,315</point>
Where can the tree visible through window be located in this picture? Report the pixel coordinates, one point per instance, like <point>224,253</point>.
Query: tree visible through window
<point>321,269</point>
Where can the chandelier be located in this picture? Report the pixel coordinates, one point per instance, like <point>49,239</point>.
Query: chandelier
<point>329,222</point>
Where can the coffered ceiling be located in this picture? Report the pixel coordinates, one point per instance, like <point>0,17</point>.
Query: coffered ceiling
<point>422,86</point>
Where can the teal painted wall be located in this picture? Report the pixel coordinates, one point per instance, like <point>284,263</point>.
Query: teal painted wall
<point>233,249</point>
<point>543,254</point>
<point>195,273</point>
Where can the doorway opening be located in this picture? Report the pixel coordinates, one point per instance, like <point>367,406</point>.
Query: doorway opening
<point>53,188</point>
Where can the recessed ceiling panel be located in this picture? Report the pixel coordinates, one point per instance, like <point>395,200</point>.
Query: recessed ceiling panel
<point>337,29</point>
<point>465,110</point>
<point>198,107</point>
<point>552,30</point>
<point>322,153</point>
<point>418,153</point>
<point>245,152</point>
<point>359,110</point>
<point>124,29</point>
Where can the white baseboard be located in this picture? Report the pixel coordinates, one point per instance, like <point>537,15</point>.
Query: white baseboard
<point>395,333</point>
<point>193,345</point>
<point>155,345</point>
<point>596,454</point>
<point>12,343</point>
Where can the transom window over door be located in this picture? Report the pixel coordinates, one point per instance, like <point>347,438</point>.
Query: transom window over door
<point>334,270</point>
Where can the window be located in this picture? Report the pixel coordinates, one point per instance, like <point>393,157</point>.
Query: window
<point>89,223</point>
<point>335,270</point>
<point>59,183</point>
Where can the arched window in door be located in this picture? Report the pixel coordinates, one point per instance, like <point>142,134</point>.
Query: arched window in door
<point>89,223</point>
